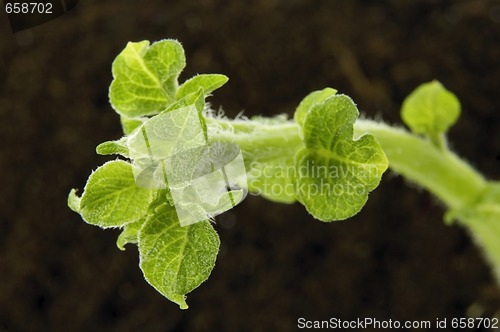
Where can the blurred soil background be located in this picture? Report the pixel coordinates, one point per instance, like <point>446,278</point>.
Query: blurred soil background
<point>394,260</point>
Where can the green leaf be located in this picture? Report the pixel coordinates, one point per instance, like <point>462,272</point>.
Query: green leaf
<point>196,99</point>
<point>193,208</point>
<point>430,110</point>
<point>74,201</point>
<point>200,180</point>
<point>312,99</point>
<point>170,132</point>
<point>174,259</point>
<point>113,147</point>
<point>145,77</point>
<point>129,234</point>
<point>335,172</point>
<point>130,124</point>
<point>111,197</point>
<point>209,83</point>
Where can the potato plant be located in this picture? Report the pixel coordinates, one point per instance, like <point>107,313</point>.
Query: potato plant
<point>180,164</point>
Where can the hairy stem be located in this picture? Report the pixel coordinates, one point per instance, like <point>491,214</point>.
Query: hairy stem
<point>257,139</point>
<point>419,160</point>
<point>440,171</point>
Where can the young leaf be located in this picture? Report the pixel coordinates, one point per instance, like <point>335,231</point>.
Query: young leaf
<point>196,99</point>
<point>129,234</point>
<point>336,173</point>
<point>430,110</point>
<point>167,133</point>
<point>74,201</point>
<point>209,83</point>
<point>113,147</point>
<point>310,101</point>
<point>145,77</point>
<point>174,259</point>
<point>201,207</point>
<point>111,197</point>
<point>130,124</point>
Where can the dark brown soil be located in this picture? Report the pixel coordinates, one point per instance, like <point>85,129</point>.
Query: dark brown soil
<point>394,260</point>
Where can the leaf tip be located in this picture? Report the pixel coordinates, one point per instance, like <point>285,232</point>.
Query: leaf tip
<point>120,243</point>
<point>113,147</point>
<point>74,201</point>
<point>180,300</point>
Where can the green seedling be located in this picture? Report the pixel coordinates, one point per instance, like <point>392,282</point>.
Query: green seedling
<point>181,164</point>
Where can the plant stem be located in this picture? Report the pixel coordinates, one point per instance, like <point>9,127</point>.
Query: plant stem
<point>440,171</point>
<point>257,139</point>
<point>419,160</point>
<point>445,175</point>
